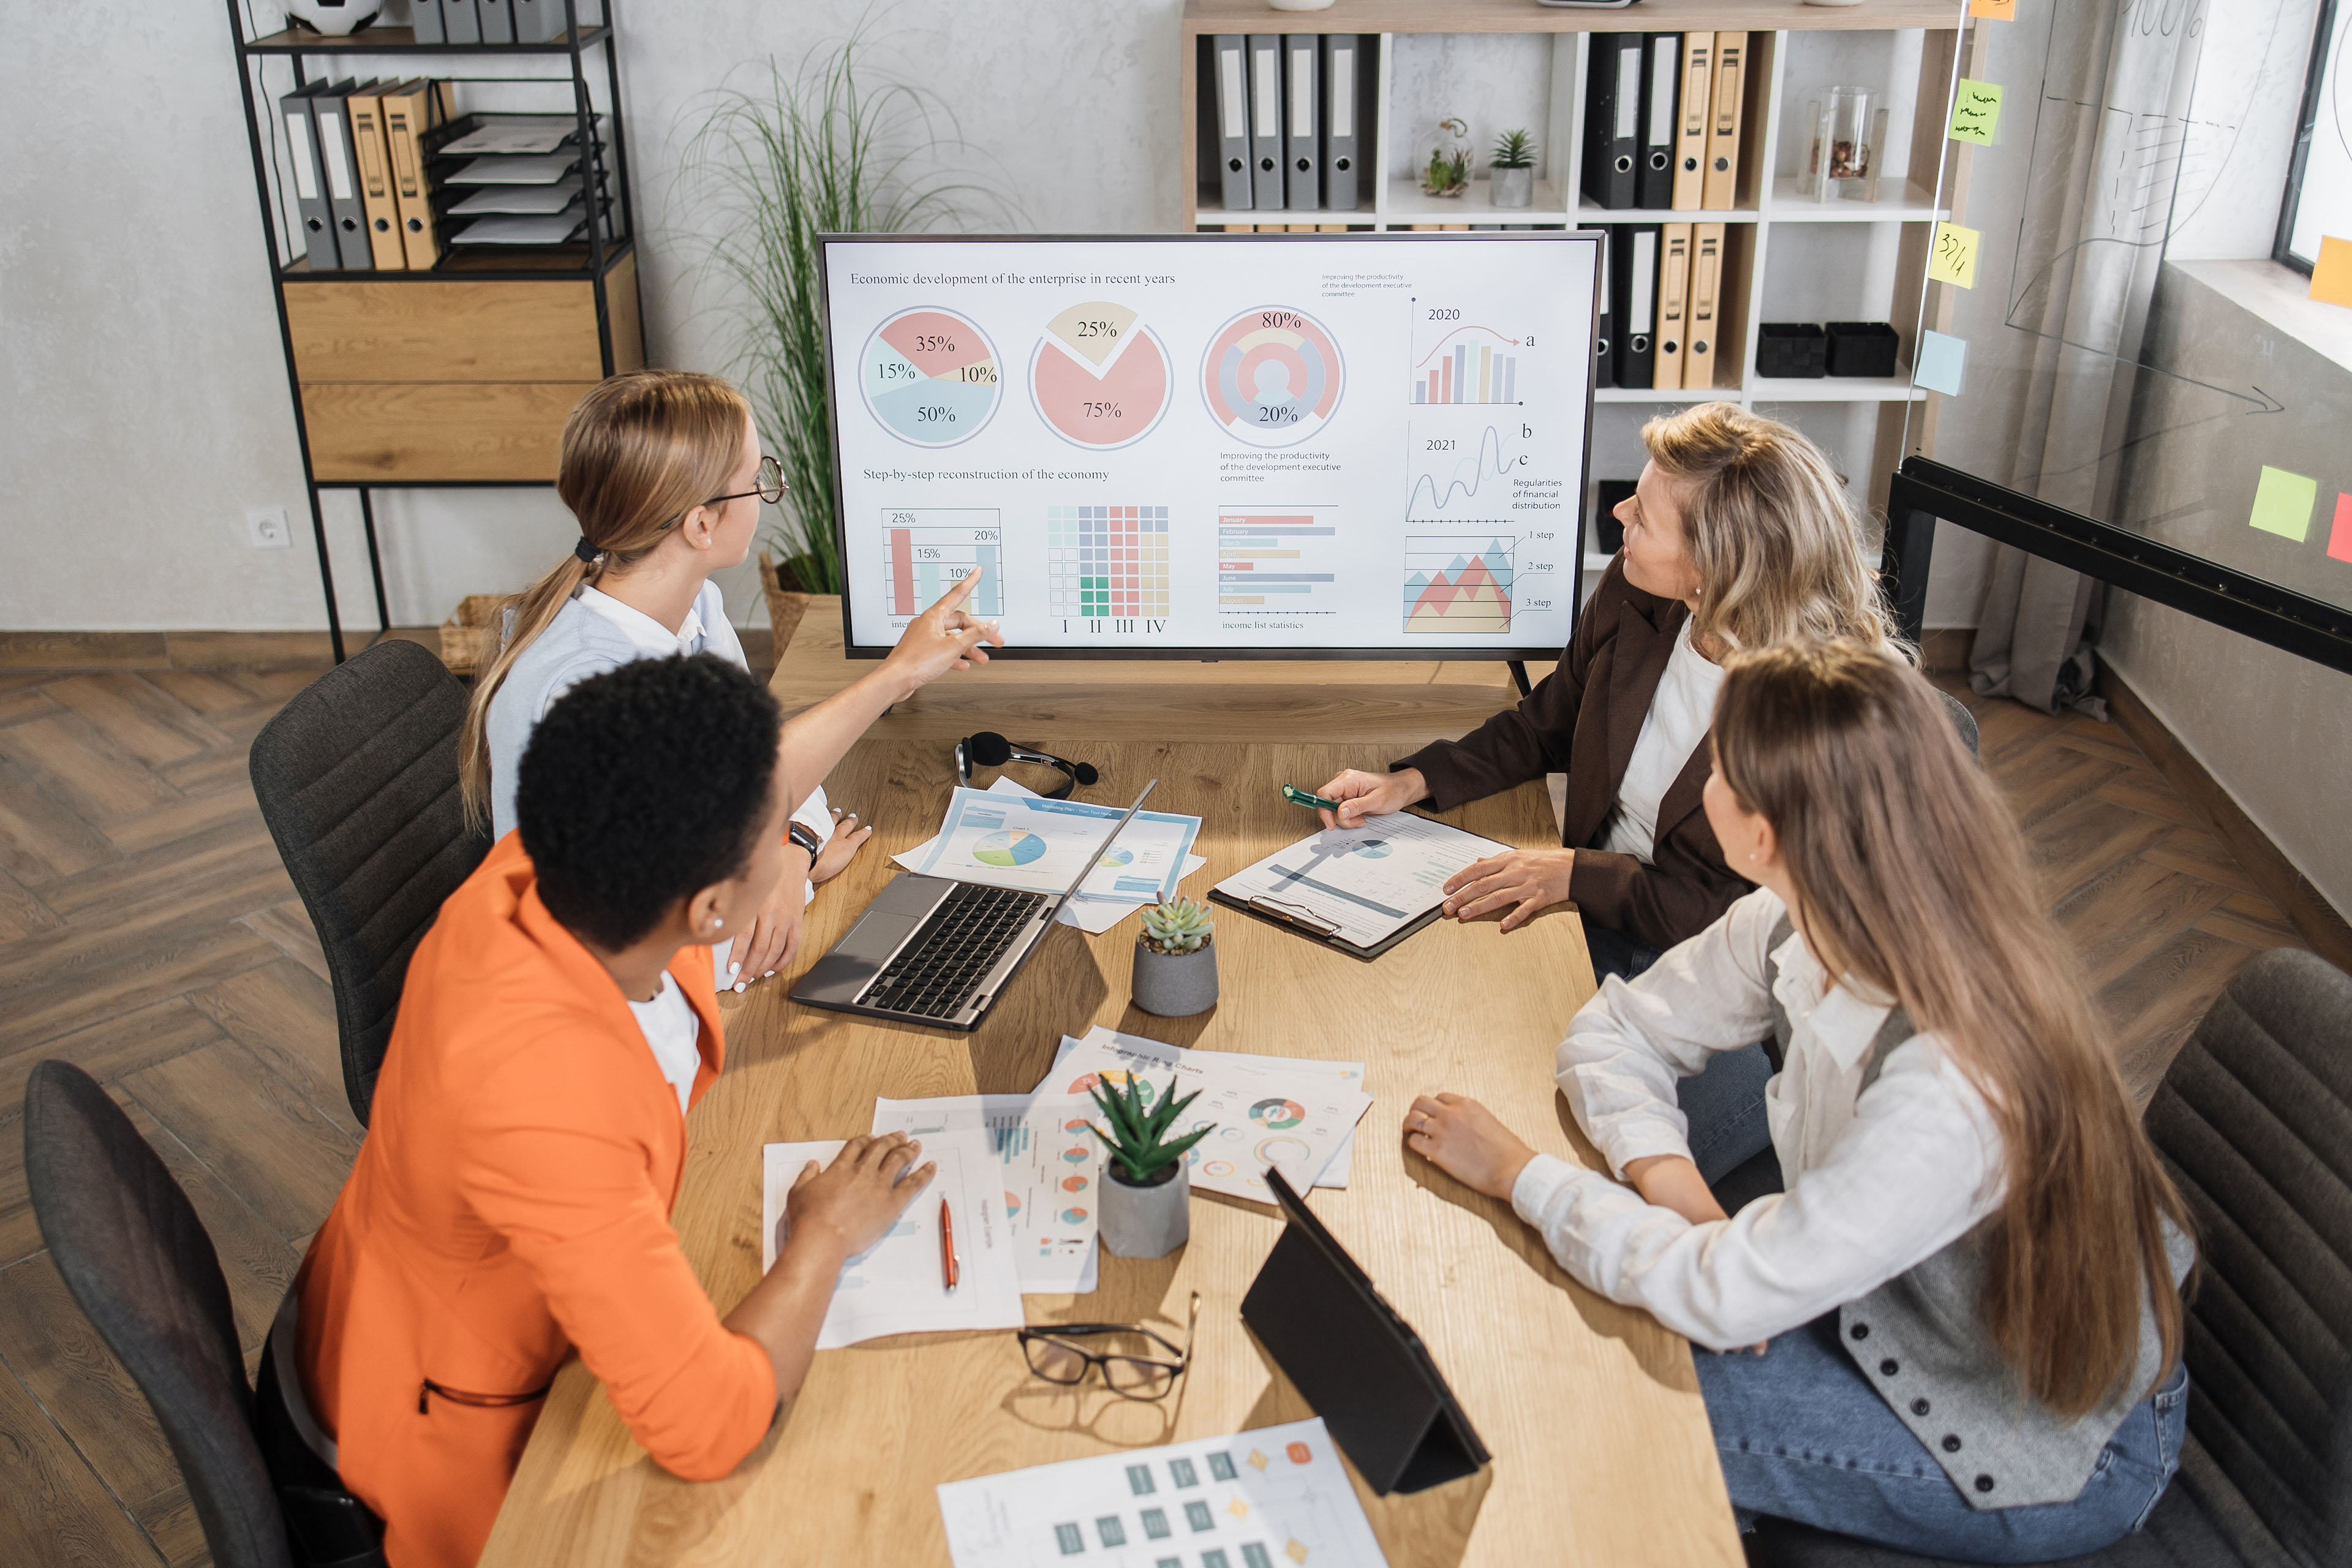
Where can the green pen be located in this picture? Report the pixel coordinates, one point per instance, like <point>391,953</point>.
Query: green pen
<point>1298,796</point>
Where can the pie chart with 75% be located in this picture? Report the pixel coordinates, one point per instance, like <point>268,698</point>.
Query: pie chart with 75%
<point>929,377</point>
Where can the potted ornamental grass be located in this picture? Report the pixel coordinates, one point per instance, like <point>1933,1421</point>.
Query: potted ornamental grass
<point>1513,166</point>
<point>1175,967</point>
<point>1146,1196</point>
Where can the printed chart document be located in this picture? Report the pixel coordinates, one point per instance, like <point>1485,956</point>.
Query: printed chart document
<point>1268,1498</point>
<point>1346,1075</point>
<point>1032,843</point>
<point>1362,883</point>
<point>1263,1116</point>
<point>897,1286</point>
<point>1048,1164</point>
<point>1092,912</point>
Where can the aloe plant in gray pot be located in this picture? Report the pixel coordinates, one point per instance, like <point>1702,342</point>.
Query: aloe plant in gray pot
<point>1146,1196</point>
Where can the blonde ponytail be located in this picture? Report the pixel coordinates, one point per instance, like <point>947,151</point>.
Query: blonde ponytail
<point>639,452</point>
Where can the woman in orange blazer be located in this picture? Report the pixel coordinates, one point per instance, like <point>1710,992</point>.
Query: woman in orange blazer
<point>511,1200</point>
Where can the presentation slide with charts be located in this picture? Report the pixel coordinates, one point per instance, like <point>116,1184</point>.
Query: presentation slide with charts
<point>1274,1498</point>
<point>1209,443</point>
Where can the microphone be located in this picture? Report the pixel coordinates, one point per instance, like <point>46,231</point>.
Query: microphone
<point>990,750</point>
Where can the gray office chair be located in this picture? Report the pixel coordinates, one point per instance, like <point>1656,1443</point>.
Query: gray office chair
<point>2254,1120</point>
<point>357,777</point>
<point>138,1261</point>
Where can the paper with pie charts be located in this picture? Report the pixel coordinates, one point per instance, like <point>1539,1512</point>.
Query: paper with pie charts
<point>1050,1167</point>
<point>1266,1111</point>
<point>1030,842</point>
<point>1273,1498</point>
<point>897,1286</point>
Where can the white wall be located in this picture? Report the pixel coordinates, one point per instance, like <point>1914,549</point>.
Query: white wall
<point>145,406</point>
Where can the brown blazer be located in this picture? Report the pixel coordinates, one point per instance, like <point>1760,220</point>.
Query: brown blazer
<point>1582,720</point>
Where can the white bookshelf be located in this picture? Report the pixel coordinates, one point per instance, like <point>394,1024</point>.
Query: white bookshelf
<point>1840,260</point>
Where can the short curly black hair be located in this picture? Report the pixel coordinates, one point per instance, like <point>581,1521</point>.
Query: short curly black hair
<point>642,786</point>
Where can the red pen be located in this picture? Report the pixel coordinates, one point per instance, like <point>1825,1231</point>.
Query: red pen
<point>947,1246</point>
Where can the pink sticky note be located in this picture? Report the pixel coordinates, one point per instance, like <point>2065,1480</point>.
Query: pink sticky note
<point>2339,538</point>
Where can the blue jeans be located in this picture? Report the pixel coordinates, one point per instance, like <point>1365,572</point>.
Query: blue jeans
<point>1724,1104</point>
<point>1803,1435</point>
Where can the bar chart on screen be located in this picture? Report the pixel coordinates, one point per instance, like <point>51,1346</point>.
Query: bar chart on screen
<point>1277,558</point>
<point>1469,363</point>
<point>928,550</point>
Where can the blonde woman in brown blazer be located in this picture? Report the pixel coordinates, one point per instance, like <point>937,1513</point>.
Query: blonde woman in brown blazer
<point>1739,533</point>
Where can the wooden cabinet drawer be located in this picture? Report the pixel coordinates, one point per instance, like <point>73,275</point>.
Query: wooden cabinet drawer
<point>429,432</point>
<point>457,329</point>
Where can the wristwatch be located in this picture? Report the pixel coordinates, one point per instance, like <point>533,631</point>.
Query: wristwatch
<point>799,834</point>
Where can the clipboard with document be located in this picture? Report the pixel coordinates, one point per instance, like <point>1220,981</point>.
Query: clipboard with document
<point>1360,889</point>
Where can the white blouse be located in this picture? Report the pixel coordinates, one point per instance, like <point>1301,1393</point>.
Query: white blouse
<point>1877,1180</point>
<point>1674,727</point>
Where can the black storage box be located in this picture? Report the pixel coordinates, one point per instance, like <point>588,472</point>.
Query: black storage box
<point>1790,348</point>
<point>1861,348</point>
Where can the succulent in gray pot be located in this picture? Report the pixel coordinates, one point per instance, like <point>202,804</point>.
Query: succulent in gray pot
<point>1175,963</point>
<point>1146,1194</point>
<point>1512,168</point>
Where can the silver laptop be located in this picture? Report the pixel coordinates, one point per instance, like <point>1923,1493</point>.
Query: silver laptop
<point>932,950</point>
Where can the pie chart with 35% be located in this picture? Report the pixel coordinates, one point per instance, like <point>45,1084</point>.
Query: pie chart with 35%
<point>930,377</point>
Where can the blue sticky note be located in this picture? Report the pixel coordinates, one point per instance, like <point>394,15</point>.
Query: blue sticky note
<point>1940,359</point>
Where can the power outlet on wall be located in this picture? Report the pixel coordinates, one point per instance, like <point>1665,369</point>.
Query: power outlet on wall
<point>265,528</point>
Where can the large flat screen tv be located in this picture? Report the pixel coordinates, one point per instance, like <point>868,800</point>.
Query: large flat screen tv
<point>1262,445</point>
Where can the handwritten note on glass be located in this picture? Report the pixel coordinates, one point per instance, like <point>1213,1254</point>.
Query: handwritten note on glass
<point>1954,259</point>
<point>1976,110</point>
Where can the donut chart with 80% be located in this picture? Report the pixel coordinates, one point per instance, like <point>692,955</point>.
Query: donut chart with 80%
<point>1272,376</point>
<point>930,377</point>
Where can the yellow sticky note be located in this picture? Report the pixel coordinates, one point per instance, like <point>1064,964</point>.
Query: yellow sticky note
<point>1994,10</point>
<point>1954,258</point>
<point>2282,504</point>
<point>1975,109</point>
<point>2331,280</point>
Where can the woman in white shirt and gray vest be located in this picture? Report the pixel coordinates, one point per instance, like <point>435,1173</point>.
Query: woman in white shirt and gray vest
<point>1964,1305</point>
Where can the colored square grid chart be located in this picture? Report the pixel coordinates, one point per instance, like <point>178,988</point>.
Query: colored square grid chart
<point>1107,560</point>
<point>2282,504</point>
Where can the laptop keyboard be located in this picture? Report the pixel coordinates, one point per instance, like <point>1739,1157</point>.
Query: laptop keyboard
<point>957,945</point>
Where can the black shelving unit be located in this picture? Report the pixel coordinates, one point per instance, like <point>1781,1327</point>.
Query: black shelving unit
<point>290,266</point>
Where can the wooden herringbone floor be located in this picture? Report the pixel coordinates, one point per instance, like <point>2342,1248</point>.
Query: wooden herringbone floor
<point>148,933</point>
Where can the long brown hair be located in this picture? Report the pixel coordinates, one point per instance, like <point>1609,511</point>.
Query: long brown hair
<point>1778,544</point>
<point>1911,877</point>
<point>640,451</point>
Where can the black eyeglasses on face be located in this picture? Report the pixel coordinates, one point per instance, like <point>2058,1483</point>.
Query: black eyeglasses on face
<point>772,486</point>
<point>1125,1352</point>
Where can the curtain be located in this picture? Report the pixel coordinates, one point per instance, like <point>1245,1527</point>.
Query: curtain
<point>2108,132</point>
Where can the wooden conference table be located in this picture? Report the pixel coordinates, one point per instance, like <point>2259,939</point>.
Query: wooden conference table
<point>1601,1447</point>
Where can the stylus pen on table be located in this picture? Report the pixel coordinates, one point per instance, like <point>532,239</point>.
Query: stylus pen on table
<point>948,1269</point>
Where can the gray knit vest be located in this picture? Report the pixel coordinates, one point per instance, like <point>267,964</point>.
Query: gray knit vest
<point>1921,1342</point>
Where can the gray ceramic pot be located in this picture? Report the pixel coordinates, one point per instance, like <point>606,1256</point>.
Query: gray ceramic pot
<point>1514,187</point>
<point>1176,986</point>
<point>1146,1222</point>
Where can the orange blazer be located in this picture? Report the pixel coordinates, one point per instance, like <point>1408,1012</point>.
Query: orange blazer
<point>511,1204</point>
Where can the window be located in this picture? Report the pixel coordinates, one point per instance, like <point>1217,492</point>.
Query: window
<point>2319,180</point>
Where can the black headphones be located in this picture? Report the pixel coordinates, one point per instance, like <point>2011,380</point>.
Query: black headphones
<point>990,750</point>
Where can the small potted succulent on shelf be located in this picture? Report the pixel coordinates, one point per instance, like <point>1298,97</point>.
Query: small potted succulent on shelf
<point>1513,165</point>
<point>1147,1194</point>
<point>1175,966</point>
<point>1448,174</point>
